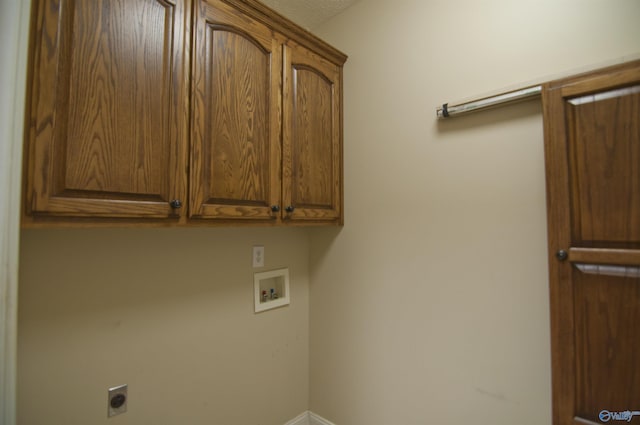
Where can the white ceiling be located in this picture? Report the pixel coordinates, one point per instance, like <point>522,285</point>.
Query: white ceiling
<point>309,14</point>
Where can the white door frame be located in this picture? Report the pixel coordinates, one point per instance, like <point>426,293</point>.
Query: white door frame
<point>14,31</point>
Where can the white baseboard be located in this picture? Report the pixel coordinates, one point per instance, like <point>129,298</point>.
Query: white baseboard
<point>309,418</point>
<point>301,419</point>
<point>318,420</point>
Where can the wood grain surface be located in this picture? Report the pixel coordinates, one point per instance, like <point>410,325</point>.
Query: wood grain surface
<point>235,137</point>
<point>126,116</point>
<point>592,158</point>
<point>312,136</point>
<point>108,120</point>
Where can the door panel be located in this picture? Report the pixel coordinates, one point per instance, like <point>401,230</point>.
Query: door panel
<point>592,155</point>
<point>607,346</point>
<point>312,137</point>
<point>312,130</point>
<point>108,120</point>
<point>235,151</point>
<point>603,138</point>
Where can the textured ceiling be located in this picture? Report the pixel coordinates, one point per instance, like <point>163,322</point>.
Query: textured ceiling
<point>309,13</point>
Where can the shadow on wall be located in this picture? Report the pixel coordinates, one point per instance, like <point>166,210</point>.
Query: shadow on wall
<point>101,270</point>
<point>322,239</point>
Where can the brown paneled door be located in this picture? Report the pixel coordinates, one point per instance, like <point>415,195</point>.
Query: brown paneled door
<point>592,150</point>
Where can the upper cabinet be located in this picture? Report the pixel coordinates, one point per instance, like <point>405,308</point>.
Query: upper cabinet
<point>179,113</point>
<point>108,114</point>
<point>235,139</point>
<point>312,136</point>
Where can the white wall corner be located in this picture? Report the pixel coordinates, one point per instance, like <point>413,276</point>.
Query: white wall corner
<point>309,418</point>
<point>14,26</point>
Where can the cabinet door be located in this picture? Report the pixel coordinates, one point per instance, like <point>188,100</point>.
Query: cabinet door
<point>235,155</point>
<point>108,111</point>
<point>312,138</point>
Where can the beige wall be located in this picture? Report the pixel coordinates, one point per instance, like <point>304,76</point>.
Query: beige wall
<point>167,311</point>
<point>431,305</point>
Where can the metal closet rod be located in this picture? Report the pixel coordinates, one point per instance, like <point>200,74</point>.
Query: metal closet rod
<point>447,111</point>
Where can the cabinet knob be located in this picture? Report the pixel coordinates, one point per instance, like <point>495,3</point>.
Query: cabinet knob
<point>562,255</point>
<point>175,204</point>
<point>275,208</point>
<point>290,209</point>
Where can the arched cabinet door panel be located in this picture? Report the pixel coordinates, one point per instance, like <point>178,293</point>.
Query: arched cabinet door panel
<point>312,137</point>
<point>235,153</point>
<point>108,111</point>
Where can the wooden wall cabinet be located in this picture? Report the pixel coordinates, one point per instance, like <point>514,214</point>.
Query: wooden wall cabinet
<point>179,113</point>
<point>108,112</point>
<point>312,136</point>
